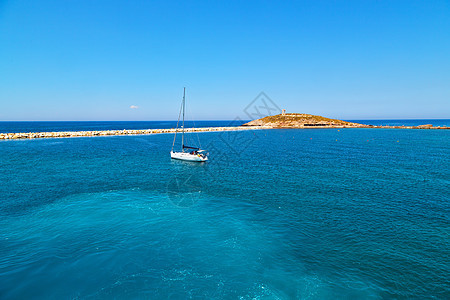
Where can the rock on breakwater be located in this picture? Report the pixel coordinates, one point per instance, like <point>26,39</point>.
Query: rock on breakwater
<point>69,134</point>
<point>62,134</point>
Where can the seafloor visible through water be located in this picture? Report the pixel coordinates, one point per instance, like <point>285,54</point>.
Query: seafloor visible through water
<point>274,214</point>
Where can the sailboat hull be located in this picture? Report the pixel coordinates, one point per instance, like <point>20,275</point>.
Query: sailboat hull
<point>188,156</point>
<point>197,155</point>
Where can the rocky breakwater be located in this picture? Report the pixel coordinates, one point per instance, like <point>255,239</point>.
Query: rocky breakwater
<point>62,134</point>
<point>426,126</point>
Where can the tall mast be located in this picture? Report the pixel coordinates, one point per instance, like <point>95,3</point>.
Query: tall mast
<point>182,135</point>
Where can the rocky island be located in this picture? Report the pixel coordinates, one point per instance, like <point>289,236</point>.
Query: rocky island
<point>296,120</point>
<point>293,120</point>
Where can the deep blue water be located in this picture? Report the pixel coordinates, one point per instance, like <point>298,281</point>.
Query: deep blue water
<point>274,214</point>
<point>42,126</point>
<point>405,122</point>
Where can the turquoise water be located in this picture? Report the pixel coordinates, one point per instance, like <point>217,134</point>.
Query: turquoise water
<point>274,214</point>
<point>41,126</point>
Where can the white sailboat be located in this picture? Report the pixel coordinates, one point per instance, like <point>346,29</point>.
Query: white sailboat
<point>187,153</point>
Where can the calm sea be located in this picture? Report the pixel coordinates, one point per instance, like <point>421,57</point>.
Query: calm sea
<point>42,126</point>
<point>274,214</point>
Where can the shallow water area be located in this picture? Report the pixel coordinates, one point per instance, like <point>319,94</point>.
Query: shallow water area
<point>274,214</point>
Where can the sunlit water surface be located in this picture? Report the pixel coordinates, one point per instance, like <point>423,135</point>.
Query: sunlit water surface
<point>274,214</point>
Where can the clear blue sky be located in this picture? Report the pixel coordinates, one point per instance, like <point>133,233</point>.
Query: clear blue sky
<point>92,60</point>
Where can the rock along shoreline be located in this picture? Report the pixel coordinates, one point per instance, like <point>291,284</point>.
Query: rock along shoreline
<point>71,134</point>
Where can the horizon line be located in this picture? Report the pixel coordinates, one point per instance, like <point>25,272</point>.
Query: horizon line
<point>211,120</point>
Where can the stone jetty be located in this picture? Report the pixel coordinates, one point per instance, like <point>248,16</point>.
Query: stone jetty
<point>298,121</point>
<point>63,134</point>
